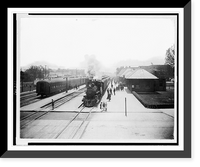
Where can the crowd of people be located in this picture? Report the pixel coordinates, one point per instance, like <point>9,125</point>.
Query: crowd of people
<point>111,90</point>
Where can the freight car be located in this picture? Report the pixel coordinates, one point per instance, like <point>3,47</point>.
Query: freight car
<point>95,91</point>
<point>27,86</point>
<point>48,87</point>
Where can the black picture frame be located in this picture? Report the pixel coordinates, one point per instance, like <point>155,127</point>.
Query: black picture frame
<point>188,116</point>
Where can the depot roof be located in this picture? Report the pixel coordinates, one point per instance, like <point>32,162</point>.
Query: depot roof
<point>127,71</point>
<point>122,71</point>
<point>140,74</point>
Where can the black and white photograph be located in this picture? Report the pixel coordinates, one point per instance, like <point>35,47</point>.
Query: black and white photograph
<point>97,79</point>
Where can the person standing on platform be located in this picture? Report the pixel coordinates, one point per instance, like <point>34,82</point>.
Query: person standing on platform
<point>109,96</point>
<point>52,102</point>
<point>101,105</point>
<point>105,106</point>
<point>110,91</point>
<point>114,91</point>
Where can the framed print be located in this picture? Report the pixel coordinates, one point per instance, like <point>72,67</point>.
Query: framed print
<point>99,82</point>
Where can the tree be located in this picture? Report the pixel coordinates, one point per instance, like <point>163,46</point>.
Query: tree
<point>22,75</point>
<point>32,73</point>
<point>169,56</point>
<point>25,77</point>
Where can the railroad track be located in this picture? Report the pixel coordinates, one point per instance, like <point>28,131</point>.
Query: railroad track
<point>28,101</point>
<point>80,129</point>
<point>28,98</point>
<point>47,108</point>
<point>27,94</point>
<point>74,128</point>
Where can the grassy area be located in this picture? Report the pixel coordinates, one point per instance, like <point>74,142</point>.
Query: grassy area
<point>164,99</point>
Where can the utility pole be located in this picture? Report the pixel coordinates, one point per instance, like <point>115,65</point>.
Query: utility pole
<point>41,72</point>
<point>45,71</point>
<point>67,84</point>
<point>125,108</point>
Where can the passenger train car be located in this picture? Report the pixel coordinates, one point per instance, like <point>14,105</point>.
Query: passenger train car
<point>48,87</point>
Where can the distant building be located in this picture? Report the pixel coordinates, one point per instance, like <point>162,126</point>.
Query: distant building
<point>62,73</point>
<point>53,75</point>
<point>160,71</point>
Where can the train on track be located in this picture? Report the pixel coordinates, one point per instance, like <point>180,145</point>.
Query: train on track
<point>95,91</point>
<point>49,87</point>
<point>27,86</point>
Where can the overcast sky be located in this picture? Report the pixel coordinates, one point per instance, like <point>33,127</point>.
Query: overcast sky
<point>67,40</point>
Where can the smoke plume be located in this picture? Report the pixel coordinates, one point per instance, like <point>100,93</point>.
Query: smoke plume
<point>92,66</point>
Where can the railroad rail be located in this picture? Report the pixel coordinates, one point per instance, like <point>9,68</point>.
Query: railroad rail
<point>27,93</point>
<point>43,110</point>
<point>28,98</point>
<point>80,129</point>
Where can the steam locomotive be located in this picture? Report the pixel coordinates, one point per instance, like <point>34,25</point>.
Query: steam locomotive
<point>95,90</point>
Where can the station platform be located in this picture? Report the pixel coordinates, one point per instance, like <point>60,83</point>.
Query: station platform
<point>125,101</point>
<point>137,123</point>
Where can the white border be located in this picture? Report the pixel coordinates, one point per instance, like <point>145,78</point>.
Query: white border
<point>89,10</point>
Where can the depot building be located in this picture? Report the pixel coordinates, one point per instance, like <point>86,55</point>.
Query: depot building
<point>140,80</point>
